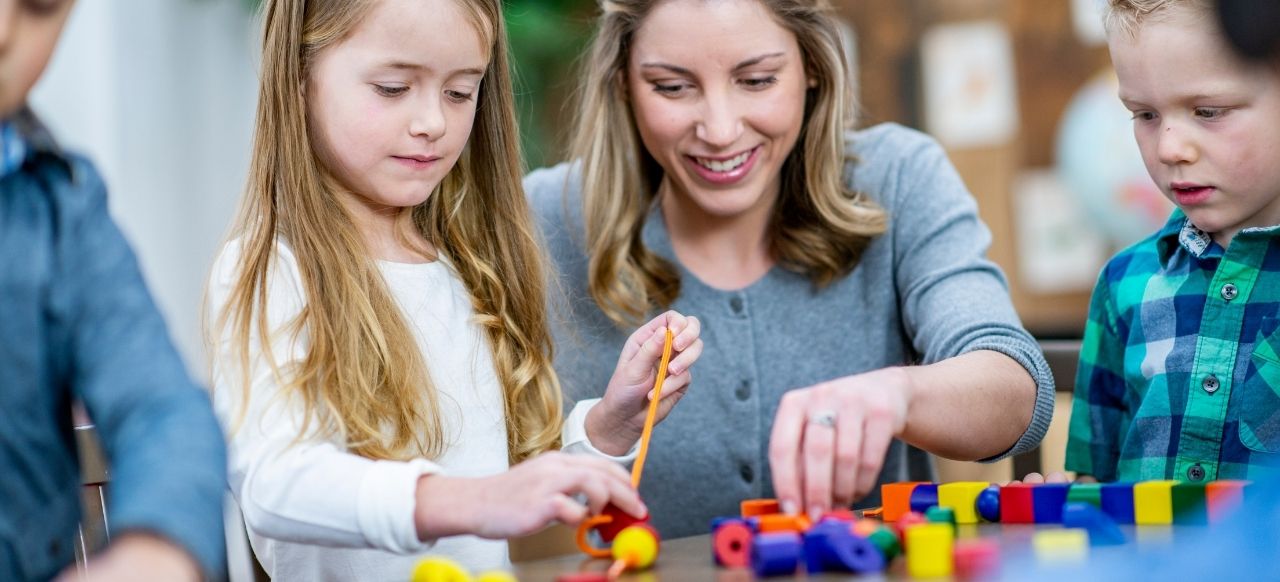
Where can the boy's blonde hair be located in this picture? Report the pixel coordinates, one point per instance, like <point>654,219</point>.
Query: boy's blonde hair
<point>363,379</point>
<point>1125,17</point>
<point>819,227</point>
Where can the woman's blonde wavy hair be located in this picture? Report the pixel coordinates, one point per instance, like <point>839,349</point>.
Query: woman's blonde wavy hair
<point>819,227</point>
<point>363,379</point>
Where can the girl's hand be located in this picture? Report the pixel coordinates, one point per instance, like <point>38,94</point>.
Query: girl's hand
<point>137,556</point>
<point>524,499</point>
<point>829,440</point>
<point>614,425</point>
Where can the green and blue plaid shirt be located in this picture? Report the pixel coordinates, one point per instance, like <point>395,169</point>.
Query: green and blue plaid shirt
<point>1179,372</point>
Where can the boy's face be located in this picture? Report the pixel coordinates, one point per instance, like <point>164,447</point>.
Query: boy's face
<point>1208,124</point>
<point>28,32</point>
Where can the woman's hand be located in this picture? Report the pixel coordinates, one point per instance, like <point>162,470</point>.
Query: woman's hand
<point>136,556</point>
<point>524,499</point>
<point>829,440</point>
<point>614,425</point>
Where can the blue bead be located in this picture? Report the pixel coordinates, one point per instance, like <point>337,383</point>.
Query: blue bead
<point>1103,530</point>
<point>924,496</point>
<point>988,504</point>
<point>775,554</point>
<point>837,549</point>
<point>1117,501</point>
<point>1047,500</point>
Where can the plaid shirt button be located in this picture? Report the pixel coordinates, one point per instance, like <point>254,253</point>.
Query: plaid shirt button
<point>1210,384</point>
<point>1195,472</point>
<point>1229,292</point>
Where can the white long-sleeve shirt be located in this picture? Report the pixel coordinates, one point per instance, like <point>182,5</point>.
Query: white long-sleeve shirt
<point>315,511</point>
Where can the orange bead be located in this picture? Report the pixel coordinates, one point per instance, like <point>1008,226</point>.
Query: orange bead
<point>754,507</point>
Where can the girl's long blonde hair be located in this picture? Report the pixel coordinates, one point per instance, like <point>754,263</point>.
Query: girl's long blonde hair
<point>820,227</point>
<point>363,379</point>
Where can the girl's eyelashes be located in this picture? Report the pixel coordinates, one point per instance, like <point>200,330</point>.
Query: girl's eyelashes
<point>389,90</point>
<point>459,96</point>
<point>669,89</point>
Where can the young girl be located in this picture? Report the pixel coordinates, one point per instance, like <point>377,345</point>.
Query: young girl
<point>382,355</point>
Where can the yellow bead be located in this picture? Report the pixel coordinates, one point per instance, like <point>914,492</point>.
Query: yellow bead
<point>496,576</point>
<point>1153,502</point>
<point>930,550</point>
<point>637,546</point>
<point>1061,544</point>
<point>437,569</point>
<point>961,497</point>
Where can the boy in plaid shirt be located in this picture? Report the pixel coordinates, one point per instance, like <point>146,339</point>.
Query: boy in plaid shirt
<point>1180,369</point>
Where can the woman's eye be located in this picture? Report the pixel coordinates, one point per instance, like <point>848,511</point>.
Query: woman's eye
<point>760,82</point>
<point>389,91</point>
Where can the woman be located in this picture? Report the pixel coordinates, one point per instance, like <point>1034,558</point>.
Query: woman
<point>850,315</point>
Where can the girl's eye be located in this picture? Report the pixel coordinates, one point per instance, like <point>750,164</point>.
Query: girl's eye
<point>459,96</point>
<point>387,91</point>
<point>1210,113</point>
<point>1143,116</point>
<point>760,82</point>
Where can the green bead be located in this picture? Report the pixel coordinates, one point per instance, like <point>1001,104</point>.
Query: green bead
<point>1090,493</point>
<point>938,514</point>
<point>887,542</point>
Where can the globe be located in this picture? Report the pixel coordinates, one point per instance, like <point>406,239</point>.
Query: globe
<point>1099,161</point>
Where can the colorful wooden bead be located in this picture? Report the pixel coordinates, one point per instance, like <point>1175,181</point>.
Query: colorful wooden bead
<point>777,522</point>
<point>620,521</point>
<point>496,576</point>
<point>896,499</point>
<point>976,559</point>
<point>905,523</point>
<point>961,497</point>
<point>1016,503</point>
<point>929,553</point>
<point>1061,544</point>
<point>924,496</point>
<point>832,548</point>
<point>938,514</point>
<point>1086,493</point>
<point>1117,501</point>
<point>1103,530</point>
<point>636,545</point>
<point>438,569</point>
<point>1188,503</point>
<point>1223,497</point>
<point>1153,503</point>
<point>754,507</point>
<point>1047,500</point>
<point>988,504</point>
<point>776,554</point>
<point>887,542</point>
<point>731,544</point>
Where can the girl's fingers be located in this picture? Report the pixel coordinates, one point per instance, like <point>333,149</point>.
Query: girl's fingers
<point>567,510</point>
<point>685,359</point>
<point>635,342</point>
<point>685,335</point>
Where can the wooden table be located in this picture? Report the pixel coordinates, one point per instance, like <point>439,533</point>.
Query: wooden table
<point>689,559</point>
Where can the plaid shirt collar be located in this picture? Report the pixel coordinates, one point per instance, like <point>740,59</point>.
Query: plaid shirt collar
<point>1179,232</point>
<point>23,136</point>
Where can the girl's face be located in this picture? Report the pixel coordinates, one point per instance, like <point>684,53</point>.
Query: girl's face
<point>718,93</point>
<point>392,104</point>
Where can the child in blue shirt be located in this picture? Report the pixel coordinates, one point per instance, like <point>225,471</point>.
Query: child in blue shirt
<point>77,323</point>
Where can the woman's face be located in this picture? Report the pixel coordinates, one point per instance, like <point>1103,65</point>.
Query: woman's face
<point>718,92</point>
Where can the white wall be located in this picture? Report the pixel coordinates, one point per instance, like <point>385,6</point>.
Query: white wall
<point>161,95</point>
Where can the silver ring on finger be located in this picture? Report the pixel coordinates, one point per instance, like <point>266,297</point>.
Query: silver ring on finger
<point>825,418</point>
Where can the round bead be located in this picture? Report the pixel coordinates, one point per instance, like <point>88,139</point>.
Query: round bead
<point>437,569</point>
<point>988,504</point>
<point>637,545</point>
